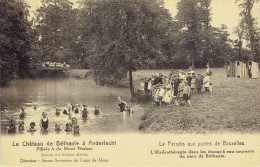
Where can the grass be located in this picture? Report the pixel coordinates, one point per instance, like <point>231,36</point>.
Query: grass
<point>233,106</point>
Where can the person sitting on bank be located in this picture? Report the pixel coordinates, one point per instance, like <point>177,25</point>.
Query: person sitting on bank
<point>97,110</point>
<point>121,104</point>
<point>44,122</point>
<point>22,113</point>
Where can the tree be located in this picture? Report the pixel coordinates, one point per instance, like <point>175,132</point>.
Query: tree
<point>126,35</point>
<point>15,40</point>
<point>250,27</point>
<point>56,24</point>
<point>199,42</point>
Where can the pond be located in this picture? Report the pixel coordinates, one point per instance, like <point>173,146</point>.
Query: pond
<point>49,94</point>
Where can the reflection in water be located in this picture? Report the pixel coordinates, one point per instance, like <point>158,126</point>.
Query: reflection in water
<point>47,95</point>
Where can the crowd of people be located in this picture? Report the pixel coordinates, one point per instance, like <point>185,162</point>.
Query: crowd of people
<point>176,89</point>
<point>70,126</point>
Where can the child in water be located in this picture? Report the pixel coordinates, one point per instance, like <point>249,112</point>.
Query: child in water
<point>129,109</point>
<point>85,111</point>
<point>32,127</point>
<point>57,128</point>
<point>65,111</point>
<point>21,125</point>
<point>22,113</point>
<point>97,110</point>
<point>68,127</point>
<point>76,130</point>
<point>44,122</point>
<point>74,121</point>
<point>76,109</point>
<point>11,127</point>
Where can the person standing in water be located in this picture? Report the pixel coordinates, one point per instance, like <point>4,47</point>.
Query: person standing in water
<point>22,113</point>
<point>85,111</point>
<point>44,122</point>
<point>121,105</point>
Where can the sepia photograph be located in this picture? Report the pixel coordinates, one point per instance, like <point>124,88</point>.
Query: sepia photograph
<point>144,68</point>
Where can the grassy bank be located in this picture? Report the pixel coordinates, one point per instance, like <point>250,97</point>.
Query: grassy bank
<point>233,106</point>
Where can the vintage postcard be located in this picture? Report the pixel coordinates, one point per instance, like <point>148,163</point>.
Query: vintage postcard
<point>130,83</point>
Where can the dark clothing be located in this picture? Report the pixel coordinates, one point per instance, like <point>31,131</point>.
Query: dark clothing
<point>157,81</point>
<point>65,112</point>
<point>12,128</point>
<point>85,113</point>
<point>97,112</point>
<point>122,106</point>
<point>176,85</point>
<point>45,124</point>
<point>186,97</point>
<point>199,82</point>
<point>146,85</point>
<point>76,110</point>
<point>189,78</point>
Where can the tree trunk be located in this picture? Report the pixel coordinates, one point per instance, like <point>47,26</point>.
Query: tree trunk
<point>193,63</point>
<point>131,83</point>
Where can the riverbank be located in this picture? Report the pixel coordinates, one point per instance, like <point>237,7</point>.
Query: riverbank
<point>233,106</point>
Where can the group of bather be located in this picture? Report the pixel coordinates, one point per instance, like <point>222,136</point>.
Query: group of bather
<point>70,126</point>
<point>176,88</point>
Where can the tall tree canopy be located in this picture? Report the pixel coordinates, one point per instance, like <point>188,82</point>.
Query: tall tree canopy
<point>126,34</point>
<point>199,42</point>
<point>252,32</point>
<point>56,24</point>
<point>15,40</point>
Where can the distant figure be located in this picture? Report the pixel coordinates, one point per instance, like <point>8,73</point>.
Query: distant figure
<point>76,109</point>
<point>11,128</point>
<point>65,111</point>
<point>57,112</point>
<point>97,110</point>
<point>76,130</point>
<point>199,83</point>
<point>74,121</point>
<point>22,113</point>
<point>206,83</point>
<point>129,109</point>
<point>193,84</point>
<point>85,111</point>
<point>121,104</point>
<point>44,122</point>
<point>21,125</point>
<point>34,107</point>
<point>186,93</point>
<point>68,127</point>
<point>57,128</point>
<point>3,110</point>
<point>32,127</point>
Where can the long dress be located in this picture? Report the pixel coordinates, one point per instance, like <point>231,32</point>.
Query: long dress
<point>168,97</point>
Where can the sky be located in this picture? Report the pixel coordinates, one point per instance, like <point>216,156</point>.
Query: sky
<point>223,12</point>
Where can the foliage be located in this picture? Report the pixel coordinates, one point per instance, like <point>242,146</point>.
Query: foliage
<point>251,31</point>
<point>15,40</point>
<point>126,35</point>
